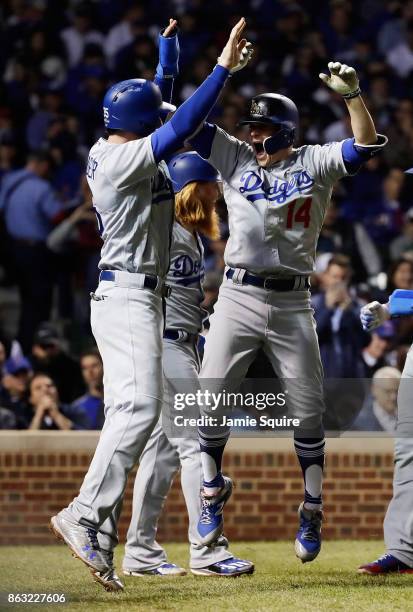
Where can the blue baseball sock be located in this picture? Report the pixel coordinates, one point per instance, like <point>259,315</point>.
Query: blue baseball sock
<point>310,453</point>
<point>212,450</point>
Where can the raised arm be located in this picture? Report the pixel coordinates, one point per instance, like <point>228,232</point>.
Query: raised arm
<point>343,80</point>
<point>194,111</point>
<point>167,69</point>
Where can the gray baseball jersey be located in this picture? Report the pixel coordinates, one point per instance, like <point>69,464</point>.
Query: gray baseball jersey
<point>185,276</point>
<point>275,214</point>
<point>134,206</point>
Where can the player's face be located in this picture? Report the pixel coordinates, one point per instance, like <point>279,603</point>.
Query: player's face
<point>258,133</point>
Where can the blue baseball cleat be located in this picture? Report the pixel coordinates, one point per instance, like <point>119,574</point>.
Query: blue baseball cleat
<point>231,567</point>
<point>211,521</point>
<point>308,537</point>
<point>387,564</point>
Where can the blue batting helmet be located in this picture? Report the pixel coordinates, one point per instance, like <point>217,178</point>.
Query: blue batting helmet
<point>136,106</point>
<point>189,167</point>
<point>278,110</point>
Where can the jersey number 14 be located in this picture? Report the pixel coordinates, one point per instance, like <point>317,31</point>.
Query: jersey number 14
<point>301,215</point>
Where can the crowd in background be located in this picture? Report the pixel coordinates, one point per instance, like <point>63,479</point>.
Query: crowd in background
<point>57,60</point>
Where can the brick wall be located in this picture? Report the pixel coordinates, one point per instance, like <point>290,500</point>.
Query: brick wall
<point>36,484</point>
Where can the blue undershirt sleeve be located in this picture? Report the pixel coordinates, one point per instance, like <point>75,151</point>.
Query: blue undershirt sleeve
<point>189,115</point>
<point>202,141</point>
<point>354,155</point>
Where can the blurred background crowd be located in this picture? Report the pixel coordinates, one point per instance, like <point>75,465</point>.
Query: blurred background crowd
<point>57,60</point>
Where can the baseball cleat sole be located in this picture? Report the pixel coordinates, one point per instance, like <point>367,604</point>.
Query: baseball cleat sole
<point>303,554</point>
<point>210,574</point>
<point>112,585</point>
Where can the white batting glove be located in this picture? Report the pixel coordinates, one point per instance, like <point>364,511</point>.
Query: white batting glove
<point>246,55</point>
<point>373,315</point>
<point>343,79</point>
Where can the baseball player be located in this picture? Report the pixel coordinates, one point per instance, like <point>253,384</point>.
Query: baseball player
<point>277,197</point>
<point>398,522</point>
<point>196,191</point>
<point>134,205</point>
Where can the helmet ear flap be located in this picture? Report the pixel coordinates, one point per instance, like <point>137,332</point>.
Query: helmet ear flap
<point>283,139</point>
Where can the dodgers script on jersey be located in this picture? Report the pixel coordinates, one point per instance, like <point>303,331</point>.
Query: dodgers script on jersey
<point>275,214</point>
<point>185,276</point>
<point>133,202</point>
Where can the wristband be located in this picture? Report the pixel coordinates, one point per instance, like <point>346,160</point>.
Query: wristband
<point>352,94</point>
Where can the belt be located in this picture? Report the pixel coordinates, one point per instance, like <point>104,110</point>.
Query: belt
<point>149,282</point>
<point>180,335</point>
<point>292,283</point>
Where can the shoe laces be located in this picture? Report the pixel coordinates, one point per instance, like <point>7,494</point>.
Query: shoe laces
<point>310,527</point>
<point>108,554</point>
<point>93,538</point>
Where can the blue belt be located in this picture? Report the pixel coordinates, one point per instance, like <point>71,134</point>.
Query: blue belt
<point>149,282</point>
<point>180,335</point>
<point>275,284</point>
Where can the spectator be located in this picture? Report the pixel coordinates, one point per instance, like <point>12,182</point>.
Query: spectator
<point>29,205</point>
<point>122,33</point>
<point>403,245</point>
<point>92,401</point>
<point>49,357</point>
<point>400,57</point>
<point>400,134</point>
<point>383,216</point>
<point>400,275</point>
<point>14,388</point>
<point>338,235</point>
<point>49,108</point>
<point>379,412</point>
<point>80,34</point>
<point>338,325</point>
<point>48,412</point>
<point>374,354</point>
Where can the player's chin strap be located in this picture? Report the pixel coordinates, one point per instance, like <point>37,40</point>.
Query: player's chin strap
<point>281,140</point>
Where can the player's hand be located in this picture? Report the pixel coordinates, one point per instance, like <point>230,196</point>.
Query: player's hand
<point>343,79</point>
<point>373,315</point>
<point>170,29</point>
<point>231,53</point>
<point>246,55</point>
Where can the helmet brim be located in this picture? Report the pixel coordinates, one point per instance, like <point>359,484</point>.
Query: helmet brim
<point>254,120</point>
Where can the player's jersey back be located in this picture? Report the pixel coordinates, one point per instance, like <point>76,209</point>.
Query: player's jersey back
<point>185,277</point>
<point>133,202</point>
<point>275,214</point>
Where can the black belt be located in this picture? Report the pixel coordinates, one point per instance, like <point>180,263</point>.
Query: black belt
<point>179,334</point>
<point>149,282</point>
<point>275,284</point>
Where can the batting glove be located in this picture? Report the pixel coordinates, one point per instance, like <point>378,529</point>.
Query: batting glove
<point>246,55</point>
<point>343,79</point>
<point>373,315</point>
